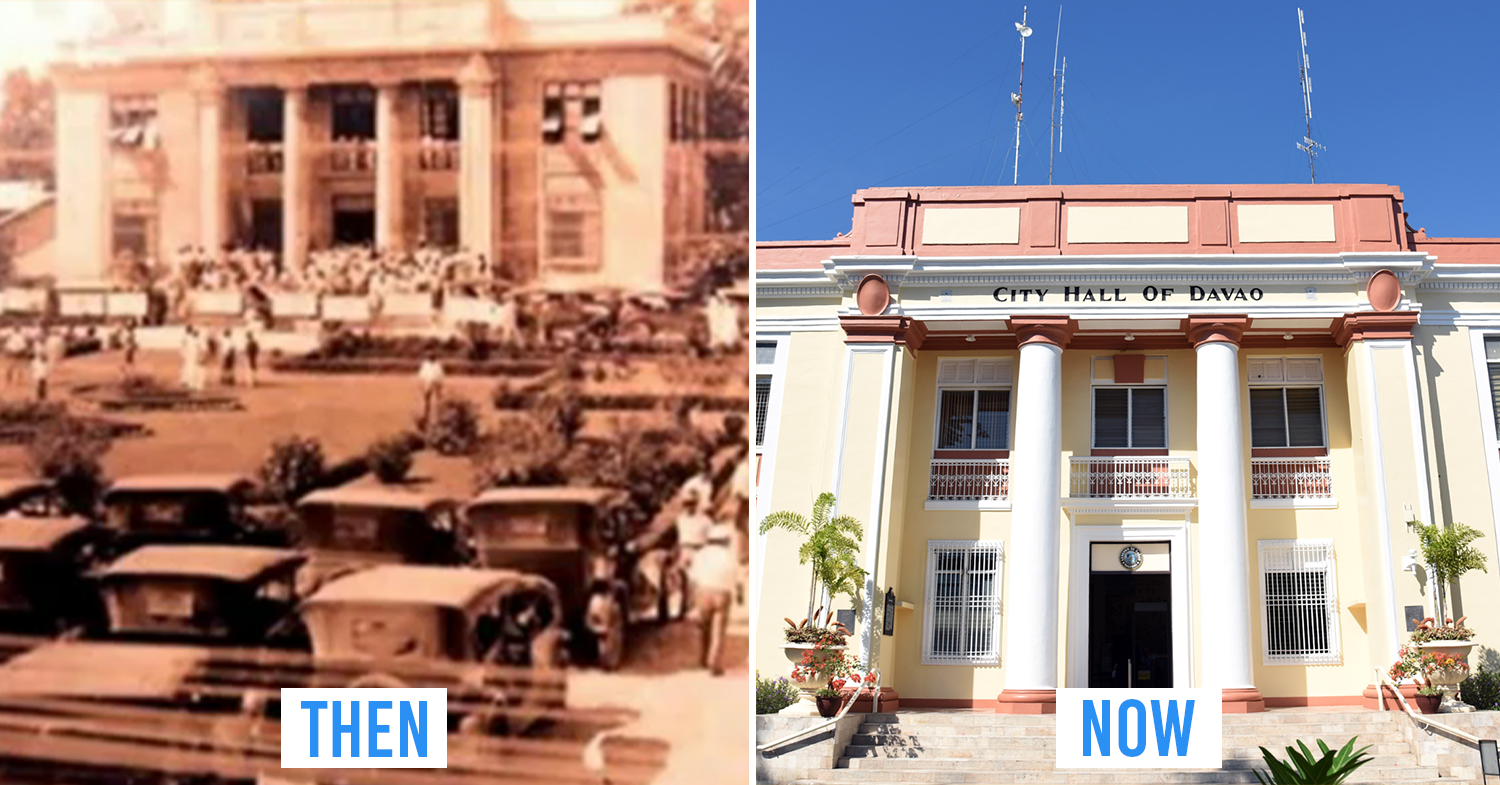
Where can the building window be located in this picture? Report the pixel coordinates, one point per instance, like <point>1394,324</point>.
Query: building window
<point>674,132</point>
<point>353,113</point>
<point>1299,603</point>
<point>565,234</point>
<point>961,622</point>
<point>1286,411</point>
<point>440,111</point>
<point>265,110</point>
<point>1492,361</point>
<point>265,224</point>
<point>1132,418</point>
<point>592,126</point>
<point>132,121</point>
<point>973,404</point>
<point>440,223</point>
<point>762,405</point>
<point>552,114</point>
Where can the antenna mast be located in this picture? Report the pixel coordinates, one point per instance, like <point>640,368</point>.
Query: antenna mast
<point>1307,144</point>
<point>1051,148</point>
<point>1015,97</point>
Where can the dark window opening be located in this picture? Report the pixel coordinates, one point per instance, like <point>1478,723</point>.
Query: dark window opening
<point>1286,417</point>
<point>265,224</point>
<point>440,223</point>
<point>353,113</point>
<point>353,227</point>
<point>440,111</point>
<point>1130,417</point>
<point>265,110</point>
<point>552,115</point>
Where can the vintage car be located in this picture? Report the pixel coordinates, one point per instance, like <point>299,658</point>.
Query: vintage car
<point>395,625</point>
<point>233,595</point>
<point>557,532</point>
<point>343,529</point>
<point>184,508</point>
<point>30,497</point>
<point>43,562</point>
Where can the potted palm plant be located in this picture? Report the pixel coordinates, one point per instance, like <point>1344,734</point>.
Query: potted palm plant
<point>830,545</point>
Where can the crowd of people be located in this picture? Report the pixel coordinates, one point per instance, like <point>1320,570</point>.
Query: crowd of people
<point>236,352</point>
<point>341,270</point>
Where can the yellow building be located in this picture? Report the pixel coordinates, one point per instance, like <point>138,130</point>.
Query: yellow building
<point>1139,436</point>
<point>557,143</point>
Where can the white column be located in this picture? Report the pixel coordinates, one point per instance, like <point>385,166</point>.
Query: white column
<point>476,158</point>
<point>1032,555</point>
<point>387,167</point>
<point>294,179</point>
<point>211,198</point>
<point>1223,551</point>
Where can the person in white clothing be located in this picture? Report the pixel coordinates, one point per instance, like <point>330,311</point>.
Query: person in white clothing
<point>41,369</point>
<point>712,574</point>
<point>430,375</point>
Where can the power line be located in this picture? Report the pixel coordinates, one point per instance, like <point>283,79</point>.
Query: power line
<point>1123,134</point>
<point>1110,153</point>
<point>854,126</point>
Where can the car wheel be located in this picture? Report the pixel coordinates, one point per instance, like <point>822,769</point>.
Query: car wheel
<point>609,644</point>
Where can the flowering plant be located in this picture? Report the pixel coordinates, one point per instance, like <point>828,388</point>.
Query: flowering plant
<point>823,661</point>
<point>834,687</point>
<point>1416,664</point>
<point>1428,630</point>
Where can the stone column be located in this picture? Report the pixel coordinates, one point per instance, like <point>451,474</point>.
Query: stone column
<point>477,217</point>
<point>1223,503</point>
<point>388,153</point>
<point>294,176</point>
<point>211,198</point>
<point>1032,556</point>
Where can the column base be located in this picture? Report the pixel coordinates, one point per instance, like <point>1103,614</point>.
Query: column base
<point>1027,702</point>
<point>1243,700</point>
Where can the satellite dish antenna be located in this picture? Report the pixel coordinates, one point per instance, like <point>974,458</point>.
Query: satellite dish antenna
<point>1023,29</point>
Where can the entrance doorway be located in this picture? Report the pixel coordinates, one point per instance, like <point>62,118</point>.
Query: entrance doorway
<point>1130,615</point>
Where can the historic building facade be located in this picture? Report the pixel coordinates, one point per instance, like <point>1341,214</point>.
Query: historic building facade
<point>562,148</point>
<point>1131,436</point>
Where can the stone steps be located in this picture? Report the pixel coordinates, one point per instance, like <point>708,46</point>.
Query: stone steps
<point>959,747</point>
<point>1048,751</point>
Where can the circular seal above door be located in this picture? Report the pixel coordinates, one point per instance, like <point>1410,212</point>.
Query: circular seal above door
<point>1131,558</point>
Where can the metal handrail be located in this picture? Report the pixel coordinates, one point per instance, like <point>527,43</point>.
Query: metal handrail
<point>865,683</point>
<point>1381,680</point>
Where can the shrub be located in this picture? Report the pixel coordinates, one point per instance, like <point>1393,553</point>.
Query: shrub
<point>454,428</point>
<point>1482,689</point>
<point>293,468</point>
<point>773,695</point>
<point>522,451</point>
<point>390,458</point>
<point>69,452</point>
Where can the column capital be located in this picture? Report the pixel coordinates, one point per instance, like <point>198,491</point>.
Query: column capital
<point>1054,330</point>
<point>884,329</point>
<point>1216,328</point>
<point>476,73</point>
<point>206,84</point>
<point>1362,326</point>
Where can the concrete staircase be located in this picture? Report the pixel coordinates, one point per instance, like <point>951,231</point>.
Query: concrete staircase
<point>982,747</point>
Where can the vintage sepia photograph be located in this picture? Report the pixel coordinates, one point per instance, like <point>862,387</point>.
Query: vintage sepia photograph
<point>374,344</point>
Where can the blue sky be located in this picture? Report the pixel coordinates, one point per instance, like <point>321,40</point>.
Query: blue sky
<point>853,95</point>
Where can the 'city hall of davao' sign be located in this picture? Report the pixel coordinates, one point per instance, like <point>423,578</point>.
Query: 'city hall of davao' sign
<point>1131,436</point>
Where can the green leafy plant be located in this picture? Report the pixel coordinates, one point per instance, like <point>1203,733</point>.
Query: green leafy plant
<point>1448,552</point>
<point>773,695</point>
<point>816,629</point>
<point>1331,768</point>
<point>1430,630</point>
<point>831,545</point>
<point>1482,689</point>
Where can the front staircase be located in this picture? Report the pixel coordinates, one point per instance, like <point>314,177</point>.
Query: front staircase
<point>936,746</point>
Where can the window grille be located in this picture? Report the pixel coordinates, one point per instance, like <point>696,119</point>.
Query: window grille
<point>961,624</point>
<point>565,234</point>
<point>1492,359</point>
<point>762,406</point>
<point>1299,607</point>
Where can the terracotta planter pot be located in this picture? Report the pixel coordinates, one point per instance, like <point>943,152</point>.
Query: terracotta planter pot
<point>1427,704</point>
<point>829,705</point>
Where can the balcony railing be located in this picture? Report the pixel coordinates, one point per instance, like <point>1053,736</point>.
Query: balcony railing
<point>437,155</point>
<point>263,158</point>
<point>981,480</point>
<point>1290,478</point>
<point>1146,477</point>
<point>351,155</point>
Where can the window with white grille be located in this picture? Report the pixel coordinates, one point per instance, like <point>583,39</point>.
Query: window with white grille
<point>973,404</point>
<point>762,406</point>
<point>1492,363</point>
<point>961,623</point>
<point>1299,603</point>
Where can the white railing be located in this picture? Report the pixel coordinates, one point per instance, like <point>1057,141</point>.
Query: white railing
<point>1133,477</point>
<point>437,155</point>
<point>984,479</point>
<point>1290,478</point>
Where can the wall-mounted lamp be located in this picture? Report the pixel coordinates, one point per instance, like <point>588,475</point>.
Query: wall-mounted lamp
<point>970,339</point>
<point>1286,337</point>
<point>1409,561</point>
<point>1130,336</point>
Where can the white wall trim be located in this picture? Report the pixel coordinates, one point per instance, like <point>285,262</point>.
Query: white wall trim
<point>1487,429</point>
<point>762,487</point>
<point>966,504</point>
<point>1078,595</point>
<point>1381,501</point>
<point>1294,504</point>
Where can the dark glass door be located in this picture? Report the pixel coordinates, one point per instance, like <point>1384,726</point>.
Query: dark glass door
<point>1130,629</point>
